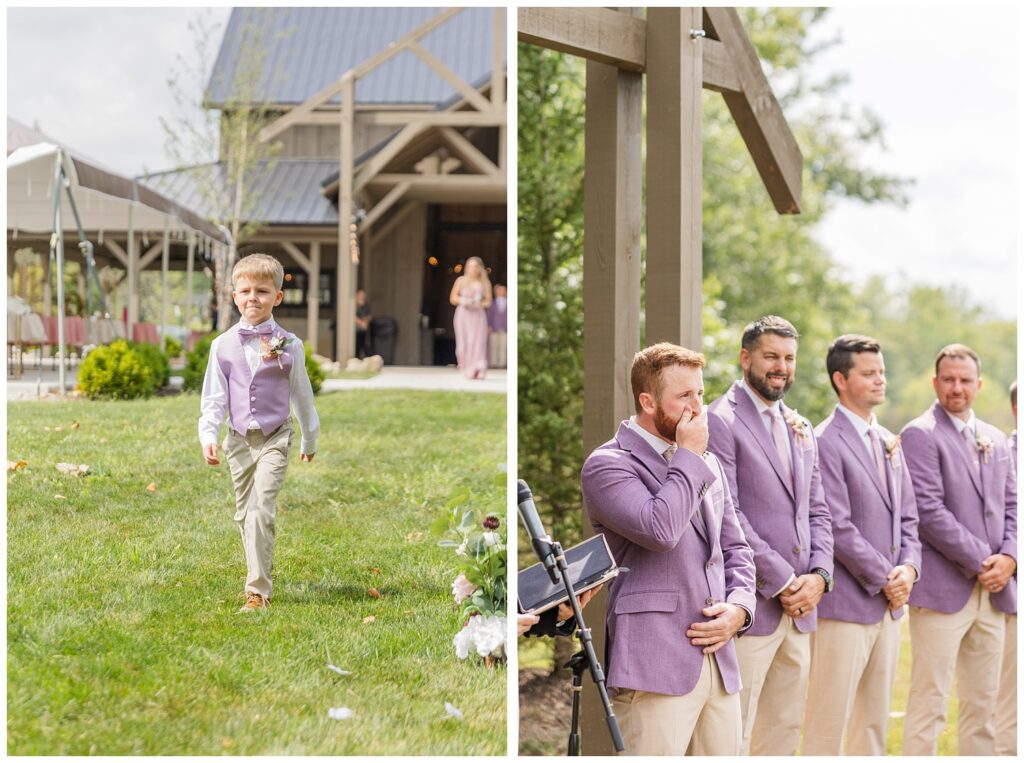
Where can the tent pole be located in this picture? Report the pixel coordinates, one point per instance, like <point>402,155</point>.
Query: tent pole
<point>58,228</point>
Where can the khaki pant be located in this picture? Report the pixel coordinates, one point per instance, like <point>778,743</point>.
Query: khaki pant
<point>257,465</point>
<point>971,642</point>
<point>497,349</point>
<point>1006,703</point>
<point>774,670</point>
<point>704,722</point>
<point>853,667</point>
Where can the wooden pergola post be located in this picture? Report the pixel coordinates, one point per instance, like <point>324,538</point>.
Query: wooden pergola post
<point>345,291</point>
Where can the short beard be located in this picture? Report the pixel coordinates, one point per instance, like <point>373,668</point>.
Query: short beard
<point>760,385</point>
<point>666,427</point>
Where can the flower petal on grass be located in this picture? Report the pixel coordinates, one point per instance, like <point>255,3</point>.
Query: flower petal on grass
<point>338,670</point>
<point>453,711</point>
<point>415,536</point>
<point>151,487</point>
<point>60,497</point>
<point>75,425</point>
<point>74,470</point>
<point>339,713</point>
<point>369,619</point>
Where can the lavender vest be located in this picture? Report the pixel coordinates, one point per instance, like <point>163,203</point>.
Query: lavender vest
<point>263,395</point>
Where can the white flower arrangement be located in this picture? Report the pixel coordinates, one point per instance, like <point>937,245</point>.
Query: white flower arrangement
<point>483,634</point>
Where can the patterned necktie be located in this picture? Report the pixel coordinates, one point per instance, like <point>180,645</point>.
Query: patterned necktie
<point>876,451</point>
<point>264,329</point>
<point>972,448</point>
<point>781,443</point>
<point>669,452</point>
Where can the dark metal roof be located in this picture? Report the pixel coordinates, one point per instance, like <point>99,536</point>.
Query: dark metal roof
<point>289,194</point>
<point>307,49</point>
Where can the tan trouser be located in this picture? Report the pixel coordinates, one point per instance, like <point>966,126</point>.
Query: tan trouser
<point>971,641</point>
<point>704,722</point>
<point>258,464</point>
<point>497,348</point>
<point>853,667</point>
<point>774,671</point>
<point>1006,704</point>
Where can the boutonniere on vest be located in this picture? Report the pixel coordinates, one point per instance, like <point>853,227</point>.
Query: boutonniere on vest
<point>985,446</point>
<point>797,424</point>
<point>273,348</point>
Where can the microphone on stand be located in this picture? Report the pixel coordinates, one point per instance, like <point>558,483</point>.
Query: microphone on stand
<point>539,538</point>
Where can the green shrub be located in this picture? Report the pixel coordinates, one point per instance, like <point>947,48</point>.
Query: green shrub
<point>174,347</point>
<point>116,371</point>
<point>316,374</point>
<point>195,363</point>
<point>156,360</point>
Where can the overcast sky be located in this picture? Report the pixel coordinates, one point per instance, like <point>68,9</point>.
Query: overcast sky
<point>944,84</point>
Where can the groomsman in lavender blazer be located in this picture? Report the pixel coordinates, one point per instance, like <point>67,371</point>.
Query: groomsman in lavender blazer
<point>966,493</point>
<point>855,651</point>
<point>664,506</point>
<point>1006,702</point>
<point>771,461</point>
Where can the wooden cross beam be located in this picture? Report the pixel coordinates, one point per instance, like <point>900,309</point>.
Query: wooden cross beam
<point>730,66</point>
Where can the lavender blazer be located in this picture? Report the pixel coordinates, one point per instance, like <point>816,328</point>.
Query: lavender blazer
<point>647,511</point>
<point>874,526</point>
<point>964,519</point>
<point>787,525</point>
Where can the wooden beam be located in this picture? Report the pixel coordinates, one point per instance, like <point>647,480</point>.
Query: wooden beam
<point>674,178</point>
<point>498,60</point>
<point>382,206</point>
<point>344,293</point>
<point>382,157</point>
<point>313,296</point>
<point>719,73</point>
<point>489,118</point>
<point>759,117</point>
<point>306,108</point>
<point>117,251</point>
<point>393,222</point>
<point>453,79</point>
<point>597,34</point>
<point>612,223</point>
<point>296,254</point>
<point>486,189</point>
<point>151,254</point>
<point>470,154</point>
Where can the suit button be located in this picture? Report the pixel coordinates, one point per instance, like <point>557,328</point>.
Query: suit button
<point>759,583</point>
<point>892,549</point>
<point>796,549</point>
<point>709,601</point>
<point>710,565</point>
<point>253,399</point>
<point>253,410</point>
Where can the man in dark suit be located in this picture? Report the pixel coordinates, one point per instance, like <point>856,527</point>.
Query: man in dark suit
<point>663,503</point>
<point>966,493</point>
<point>770,459</point>
<point>855,650</point>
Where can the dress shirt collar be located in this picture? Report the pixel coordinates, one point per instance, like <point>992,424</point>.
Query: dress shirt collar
<point>960,423</point>
<point>861,426</point>
<point>659,445</point>
<point>244,325</point>
<point>762,406</point>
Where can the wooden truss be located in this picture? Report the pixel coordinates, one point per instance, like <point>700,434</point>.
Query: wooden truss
<point>376,185</point>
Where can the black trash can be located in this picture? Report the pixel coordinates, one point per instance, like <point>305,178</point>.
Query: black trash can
<point>385,335</point>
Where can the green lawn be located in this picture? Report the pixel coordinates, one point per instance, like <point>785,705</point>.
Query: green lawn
<point>123,631</point>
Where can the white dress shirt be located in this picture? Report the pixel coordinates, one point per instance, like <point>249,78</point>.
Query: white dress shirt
<point>862,428</point>
<point>214,403</point>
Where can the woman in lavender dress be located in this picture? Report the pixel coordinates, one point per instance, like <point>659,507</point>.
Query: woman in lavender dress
<point>471,295</point>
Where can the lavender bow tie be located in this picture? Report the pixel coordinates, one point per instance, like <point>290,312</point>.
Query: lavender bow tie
<point>264,329</point>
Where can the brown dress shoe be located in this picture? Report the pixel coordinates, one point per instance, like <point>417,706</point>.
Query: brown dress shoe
<point>254,601</point>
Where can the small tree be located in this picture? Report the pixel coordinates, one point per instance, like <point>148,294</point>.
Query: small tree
<point>226,131</point>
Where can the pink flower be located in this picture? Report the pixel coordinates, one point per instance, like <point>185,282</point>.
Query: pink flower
<point>462,589</point>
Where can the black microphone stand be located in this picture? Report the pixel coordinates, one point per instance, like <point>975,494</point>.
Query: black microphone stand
<point>586,658</point>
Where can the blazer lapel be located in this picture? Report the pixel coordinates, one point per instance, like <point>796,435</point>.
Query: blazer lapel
<point>848,433</point>
<point>956,440</point>
<point>746,412</point>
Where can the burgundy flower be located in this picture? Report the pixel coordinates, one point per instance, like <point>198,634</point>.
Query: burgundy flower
<point>491,523</point>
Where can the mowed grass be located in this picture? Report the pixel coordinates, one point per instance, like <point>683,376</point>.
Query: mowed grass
<point>123,630</point>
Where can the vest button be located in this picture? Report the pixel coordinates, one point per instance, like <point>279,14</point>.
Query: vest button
<point>796,549</point>
<point>253,399</point>
<point>709,601</point>
<point>253,410</point>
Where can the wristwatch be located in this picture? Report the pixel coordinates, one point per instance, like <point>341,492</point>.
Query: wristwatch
<point>824,576</point>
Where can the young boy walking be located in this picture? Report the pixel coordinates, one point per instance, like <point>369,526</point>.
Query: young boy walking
<point>255,375</point>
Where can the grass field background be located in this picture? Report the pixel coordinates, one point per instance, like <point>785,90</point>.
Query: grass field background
<point>123,631</point>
